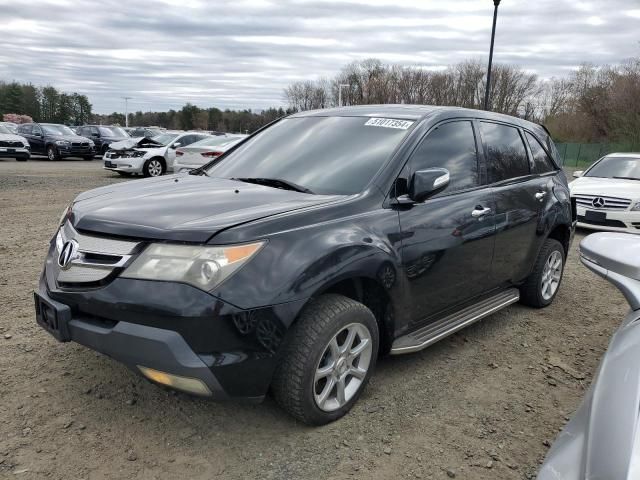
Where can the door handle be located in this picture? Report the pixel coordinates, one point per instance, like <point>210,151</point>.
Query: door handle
<point>540,195</point>
<point>480,212</point>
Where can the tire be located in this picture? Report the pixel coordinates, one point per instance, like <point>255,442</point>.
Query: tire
<point>52,153</point>
<point>22,159</point>
<point>154,167</point>
<point>325,326</point>
<point>538,291</point>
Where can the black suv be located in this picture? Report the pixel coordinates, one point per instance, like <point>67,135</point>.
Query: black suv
<point>102,135</point>
<point>322,241</point>
<point>56,141</point>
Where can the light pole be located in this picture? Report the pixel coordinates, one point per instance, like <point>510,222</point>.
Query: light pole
<point>340,93</point>
<point>126,111</point>
<point>493,35</point>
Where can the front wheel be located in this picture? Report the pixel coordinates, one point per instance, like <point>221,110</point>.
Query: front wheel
<point>52,153</point>
<point>154,167</point>
<point>542,285</point>
<point>329,357</point>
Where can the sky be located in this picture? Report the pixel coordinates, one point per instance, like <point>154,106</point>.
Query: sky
<point>243,53</point>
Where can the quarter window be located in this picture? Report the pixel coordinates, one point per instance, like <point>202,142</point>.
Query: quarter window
<point>451,146</point>
<point>506,154</point>
<point>541,161</point>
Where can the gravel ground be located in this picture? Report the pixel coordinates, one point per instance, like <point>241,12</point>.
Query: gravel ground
<point>482,404</point>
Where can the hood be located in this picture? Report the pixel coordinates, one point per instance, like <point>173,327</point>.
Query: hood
<point>607,187</point>
<point>182,207</point>
<point>138,142</point>
<point>10,137</point>
<point>70,138</point>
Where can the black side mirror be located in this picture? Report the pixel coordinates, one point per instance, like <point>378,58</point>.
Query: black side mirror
<point>426,182</point>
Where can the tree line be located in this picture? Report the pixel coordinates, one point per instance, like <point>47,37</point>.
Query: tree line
<point>44,104</point>
<point>592,104</point>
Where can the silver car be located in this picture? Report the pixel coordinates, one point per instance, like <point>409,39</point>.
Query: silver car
<point>602,440</point>
<point>202,152</point>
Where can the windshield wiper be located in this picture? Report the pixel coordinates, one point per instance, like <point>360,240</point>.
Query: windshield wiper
<point>276,183</point>
<point>626,178</point>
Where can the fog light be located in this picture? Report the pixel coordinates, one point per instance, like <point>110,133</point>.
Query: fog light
<point>186,384</point>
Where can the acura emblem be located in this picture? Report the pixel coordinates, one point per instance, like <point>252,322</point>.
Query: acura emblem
<point>598,202</point>
<point>68,253</point>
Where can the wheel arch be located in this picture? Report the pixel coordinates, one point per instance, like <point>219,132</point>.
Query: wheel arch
<point>562,233</point>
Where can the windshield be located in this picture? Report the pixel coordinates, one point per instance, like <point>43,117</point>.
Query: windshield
<point>327,155</point>
<point>165,138</point>
<point>57,130</point>
<point>4,129</point>
<point>616,167</point>
<point>112,132</point>
<point>218,140</point>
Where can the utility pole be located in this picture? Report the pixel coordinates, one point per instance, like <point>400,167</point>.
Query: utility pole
<point>126,111</point>
<point>340,93</point>
<point>493,35</point>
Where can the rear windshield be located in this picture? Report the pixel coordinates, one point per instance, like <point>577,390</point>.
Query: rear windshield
<point>616,167</point>
<point>327,155</point>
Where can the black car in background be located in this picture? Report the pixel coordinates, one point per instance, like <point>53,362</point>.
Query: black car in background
<point>292,261</point>
<point>102,135</point>
<point>56,141</point>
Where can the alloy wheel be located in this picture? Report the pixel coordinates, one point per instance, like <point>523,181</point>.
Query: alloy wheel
<point>51,154</point>
<point>551,275</point>
<point>155,168</point>
<point>343,367</point>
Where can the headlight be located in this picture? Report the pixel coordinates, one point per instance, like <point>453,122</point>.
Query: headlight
<point>202,267</point>
<point>91,144</point>
<point>62,142</point>
<point>636,207</point>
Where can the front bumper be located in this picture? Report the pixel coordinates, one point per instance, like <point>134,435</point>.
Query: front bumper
<point>14,152</point>
<point>124,164</point>
<point>171,327</point>
<point>70,151</point>
<point>615,221</point>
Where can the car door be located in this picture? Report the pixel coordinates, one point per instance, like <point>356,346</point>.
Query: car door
<point>36,139</point>
<point>520,199</point>
<point>447,241</point>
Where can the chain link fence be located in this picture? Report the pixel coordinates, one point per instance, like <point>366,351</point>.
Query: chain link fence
<point>584,154</point>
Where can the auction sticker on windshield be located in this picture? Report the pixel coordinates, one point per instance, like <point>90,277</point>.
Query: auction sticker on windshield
<point>389,123</point>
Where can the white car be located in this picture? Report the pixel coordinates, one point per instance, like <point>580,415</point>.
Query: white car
<point>607,195</point>
<point>13,146</point>
<point>12,127</point>
<point>202,152</point>
<point>151,157</point>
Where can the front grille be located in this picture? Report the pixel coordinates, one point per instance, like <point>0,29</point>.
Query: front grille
<point>605,203</point>
<point>605,223</point>
<point>80,144</point>
<point>11,144</point>
<point>96,257</point>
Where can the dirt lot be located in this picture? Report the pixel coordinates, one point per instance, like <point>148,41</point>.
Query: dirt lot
<point>481,404</point>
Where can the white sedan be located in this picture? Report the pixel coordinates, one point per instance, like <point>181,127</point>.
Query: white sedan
<point>202,152</point>
<point>151,157</point>
<point>607,195</point>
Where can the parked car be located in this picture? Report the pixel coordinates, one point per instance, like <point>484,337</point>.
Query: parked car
<point>13,146</point>
<point>56,141</point>
<point>12,127</point>
<point>200,153</point>
<point>150,157</point>
<point>607,194</point>
<point>102,135</point>
<point>322,241</point>
<point>602,439</point>
<point>148,132</point>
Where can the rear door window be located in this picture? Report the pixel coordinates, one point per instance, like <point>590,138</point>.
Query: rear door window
<point>505,151</point>
<point>452,146</point>
<point>541,161</point>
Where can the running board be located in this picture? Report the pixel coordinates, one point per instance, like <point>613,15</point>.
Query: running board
<point>439,329</point>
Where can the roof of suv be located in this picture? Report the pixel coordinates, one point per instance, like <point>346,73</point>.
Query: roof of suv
<point>412,112</point>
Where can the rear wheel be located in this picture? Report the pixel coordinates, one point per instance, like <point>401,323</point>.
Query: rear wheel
<point>52,153</point>
<point>329,357</point>
<point>542,285</point>
<point>154,167</point>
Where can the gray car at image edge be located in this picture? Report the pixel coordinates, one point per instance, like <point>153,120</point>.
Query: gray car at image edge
<point>602,439</point>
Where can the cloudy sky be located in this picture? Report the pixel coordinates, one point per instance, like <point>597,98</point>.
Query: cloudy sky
<point>242,53</point>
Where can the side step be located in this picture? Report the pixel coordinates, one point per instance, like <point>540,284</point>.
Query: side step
<point>439,329</point>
